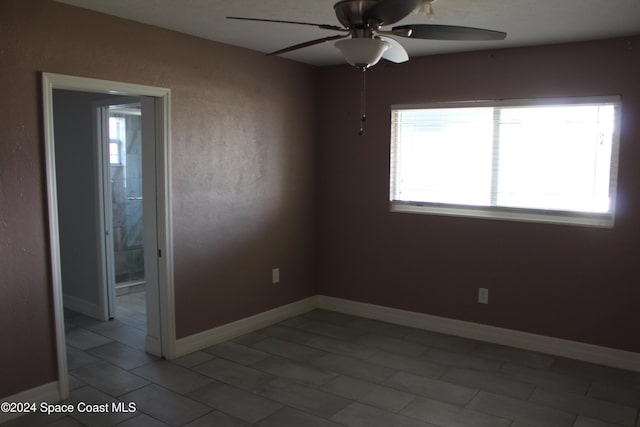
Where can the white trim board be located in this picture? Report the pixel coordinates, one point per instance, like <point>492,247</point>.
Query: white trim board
<point>231,330</point>
<point>524,340</point>
<point>49,392</point>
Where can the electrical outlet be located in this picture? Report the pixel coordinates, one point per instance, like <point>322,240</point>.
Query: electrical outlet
<point>483,295</point>
<point>275,275</point>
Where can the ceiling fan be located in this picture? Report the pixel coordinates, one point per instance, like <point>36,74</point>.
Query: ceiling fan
<point>364,42</point>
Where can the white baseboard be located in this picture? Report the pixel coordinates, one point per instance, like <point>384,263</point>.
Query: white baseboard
<point>49,393</point>
<point>82,306</point>
<point>492,334</point>
<point>231,330</point>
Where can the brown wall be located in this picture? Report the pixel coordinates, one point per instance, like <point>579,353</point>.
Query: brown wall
<point>570,282</point>
<point>242,158</point>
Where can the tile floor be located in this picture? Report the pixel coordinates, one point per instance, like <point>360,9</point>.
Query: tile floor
<point>326,369</point>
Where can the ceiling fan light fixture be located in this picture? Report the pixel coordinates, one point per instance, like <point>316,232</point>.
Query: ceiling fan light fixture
<point>362,52</point>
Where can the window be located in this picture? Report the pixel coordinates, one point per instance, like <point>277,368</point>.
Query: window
<point>530,160</point>
<point>116,140</point>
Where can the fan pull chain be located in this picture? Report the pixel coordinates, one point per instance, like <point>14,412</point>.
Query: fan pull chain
<point>363,101</point>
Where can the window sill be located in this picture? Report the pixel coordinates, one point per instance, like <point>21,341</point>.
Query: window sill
<point>603,220</point>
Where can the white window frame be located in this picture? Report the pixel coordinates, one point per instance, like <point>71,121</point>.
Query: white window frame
<point>605,220</point>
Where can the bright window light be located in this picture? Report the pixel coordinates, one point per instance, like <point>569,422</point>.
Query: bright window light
<point>533,160</point>
<point>116,139</point>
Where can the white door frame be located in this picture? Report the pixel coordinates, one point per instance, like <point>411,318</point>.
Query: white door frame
<point>164,291</point>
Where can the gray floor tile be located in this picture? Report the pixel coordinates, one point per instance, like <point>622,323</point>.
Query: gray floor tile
<point>332,369</point>
<point>623,395</point>
<point>329,330</point>
<point>249,339</point>
<point>518,410</point>
<point>372,394</point>
<point>545,379</point>
<point>590,422</point>
<point>489,382</point>
<point>432,388</point>
<point>218,419</point>
<point>193,359</point>
<point>461,360</point>
<point>593,372</point>
<point>289,417</point>
<point>359,415</point>
<point>98,327</point>
<point>68,422</point>
<point>134,321</point>
<point>173,377</point>
<point>354,368</point>
<point>407,364</point>
<point>128,335</point>
<point>83,339</point>
<point>81,321</point>
<point>444,414</point>
<point>393,345</point>
<point>287,333</point>
<point>380,328</point>
<point>232,373</point>
<point>236,353</point>
<point>326,316</point>
<point>91,396</point>
<point>122,355</point>
<point>36,419</point>
<point>446,342</point>
<point>143,420</point>
<point>236,402</point>
<point>302,373</point>
<point>78,358</point>
<point>345,348</point>
<point>598,409</point>
<point>75,383</point>
<point>289,350</point>
<point>521,357</point>
<point>109,378</point>
<point>293,321</point>
<point>68,325</point>
<point>317,402</point>
<point>166,406</point>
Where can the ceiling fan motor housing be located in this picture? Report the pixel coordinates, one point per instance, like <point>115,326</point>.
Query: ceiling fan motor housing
<point>351,13</point>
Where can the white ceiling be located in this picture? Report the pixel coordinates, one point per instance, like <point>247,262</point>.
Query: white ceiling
<point>526,22</point>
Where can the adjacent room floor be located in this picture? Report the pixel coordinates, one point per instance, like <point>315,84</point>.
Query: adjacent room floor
<point>326,369</point>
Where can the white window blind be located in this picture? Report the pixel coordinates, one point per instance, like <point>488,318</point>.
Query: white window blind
<point>535,160</point>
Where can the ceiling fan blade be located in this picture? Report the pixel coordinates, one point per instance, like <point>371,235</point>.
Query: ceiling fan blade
<point>396,52</point>
<point>448,32</point>
<point>307,44</point>
<point>387,12</point>
<point>321,26</point>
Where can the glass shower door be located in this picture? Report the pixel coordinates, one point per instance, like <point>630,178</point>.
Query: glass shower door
<point>125,168</point>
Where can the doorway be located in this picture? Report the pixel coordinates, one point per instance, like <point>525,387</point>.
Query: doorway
<point>123,143</point>
<point>86,249</point>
